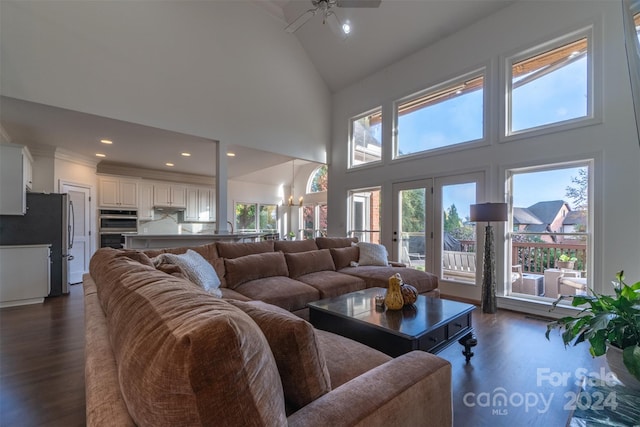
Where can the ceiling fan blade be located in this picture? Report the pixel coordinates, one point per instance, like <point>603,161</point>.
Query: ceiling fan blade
<point>335,24</point>
<point>300,20</point>
<point>359,3</point>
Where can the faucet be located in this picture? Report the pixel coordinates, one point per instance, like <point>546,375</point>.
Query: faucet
<point>231,225</point>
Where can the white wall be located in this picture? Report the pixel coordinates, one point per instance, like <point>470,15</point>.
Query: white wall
<point>613,142</point>
<point>223,70</point>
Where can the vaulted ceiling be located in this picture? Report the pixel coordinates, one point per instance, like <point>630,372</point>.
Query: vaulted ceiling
<point>380,36</point>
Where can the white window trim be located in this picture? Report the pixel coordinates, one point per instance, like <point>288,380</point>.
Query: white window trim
<point>594,83</point>
<point>593,269</point>
<point>483,71</point>
<point>351,145</point>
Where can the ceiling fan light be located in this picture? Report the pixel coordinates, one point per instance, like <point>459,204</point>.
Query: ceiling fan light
<point>346,28</point>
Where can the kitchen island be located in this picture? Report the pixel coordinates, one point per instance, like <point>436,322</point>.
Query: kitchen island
<point>158,241</point>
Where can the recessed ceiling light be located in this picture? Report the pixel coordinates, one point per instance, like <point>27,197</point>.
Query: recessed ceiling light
<point>101,155</point>
<point>169,164</point>
<point>106,141</point>
<point>185,154</point>
<point>230,154</point>
<point>346,28</point>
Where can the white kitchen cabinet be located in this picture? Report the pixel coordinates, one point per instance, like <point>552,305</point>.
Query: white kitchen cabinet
<point>200,204</point>
<point>145,201</point>
<point>15,179</point>
<point>115,192</point>
<point>169,195</point>
<point>27,169</point>
<point>25,274</point>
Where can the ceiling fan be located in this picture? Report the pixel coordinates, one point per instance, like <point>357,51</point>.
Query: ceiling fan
<point>324,8</point>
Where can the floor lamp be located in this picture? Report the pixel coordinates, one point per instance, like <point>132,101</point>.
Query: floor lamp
<point>489,212</point>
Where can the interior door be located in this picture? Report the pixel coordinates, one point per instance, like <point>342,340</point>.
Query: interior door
<point>80,251</point>
<point>413,223</point>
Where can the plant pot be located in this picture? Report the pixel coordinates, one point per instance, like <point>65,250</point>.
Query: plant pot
<point>616,365</point>
<point>565,265</point>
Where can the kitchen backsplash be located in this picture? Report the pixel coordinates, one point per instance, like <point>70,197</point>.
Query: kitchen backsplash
<point>172,223</point>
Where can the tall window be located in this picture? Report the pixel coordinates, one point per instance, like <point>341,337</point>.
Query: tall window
<point>246,216</point>
<point>256,217</point>
<point>364,221</point>
<point>449,114</point>
<point>550,84</point>
<point>268,218</point>
<point>550,242</point>
<point>314,221</point>
<point>366,138</point>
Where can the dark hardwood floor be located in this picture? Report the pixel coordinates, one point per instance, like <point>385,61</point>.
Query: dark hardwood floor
<point>42,369</point>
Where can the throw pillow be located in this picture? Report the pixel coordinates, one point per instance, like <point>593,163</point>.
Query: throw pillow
<point>372,254</point>
<point>302,263</point>
<point>196,268</point>
<point>257,266</point>
<point>343,257</point>
<point>300,360</point>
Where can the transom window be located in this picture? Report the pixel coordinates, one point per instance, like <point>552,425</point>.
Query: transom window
<point>319,180</point>
<point>550,84</point>
<point>442,116</point>
<point>366,138</point>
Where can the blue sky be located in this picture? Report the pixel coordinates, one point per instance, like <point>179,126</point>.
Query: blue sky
<point>558,96</point>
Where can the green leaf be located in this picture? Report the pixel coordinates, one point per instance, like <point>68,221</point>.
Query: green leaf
<point>631,359</point>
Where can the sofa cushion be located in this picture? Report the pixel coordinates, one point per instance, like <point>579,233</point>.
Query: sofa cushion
<point>335,242</point>
<point>183,356</point>
<point>257,266</point>
<point>347,359</point>
<point>372,254</point>
<point>332,284</point>
<point>195,267</point>
<point>376,276</point>
<point>229,250</point>
<point>282,291</point>
<point>291,246</point>
<point>309,262</point>
<point>300,361</point>
<point>343,257</point>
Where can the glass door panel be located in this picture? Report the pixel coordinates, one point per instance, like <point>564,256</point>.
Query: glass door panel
<point>458,234</point>
<point>412,233</point>
<point>364,207</point>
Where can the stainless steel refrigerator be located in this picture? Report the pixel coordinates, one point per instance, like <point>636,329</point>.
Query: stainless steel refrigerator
<point>49,220</point>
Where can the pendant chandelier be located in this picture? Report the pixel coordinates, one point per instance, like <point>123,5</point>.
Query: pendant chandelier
<point>293,174</point>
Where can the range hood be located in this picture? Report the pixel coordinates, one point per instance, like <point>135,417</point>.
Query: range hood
<point>168,209</point>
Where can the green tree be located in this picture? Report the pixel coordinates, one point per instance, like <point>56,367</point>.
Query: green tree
<point>413,217</point>
<point>452,219</point>
<point>578,192</point>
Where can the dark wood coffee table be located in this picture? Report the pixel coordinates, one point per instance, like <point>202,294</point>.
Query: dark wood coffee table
<point>431,324</point>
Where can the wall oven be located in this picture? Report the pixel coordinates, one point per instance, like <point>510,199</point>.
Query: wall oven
<point>114,225</point>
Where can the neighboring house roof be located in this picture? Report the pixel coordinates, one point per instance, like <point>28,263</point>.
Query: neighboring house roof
<point>547,211</point>
<point>363,137</point>
<point>575,218</point>
<point>524,216</point>
<point>540,216</point>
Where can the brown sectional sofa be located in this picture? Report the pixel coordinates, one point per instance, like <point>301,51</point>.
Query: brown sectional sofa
<point>290,274</point>
<point>161,351</point>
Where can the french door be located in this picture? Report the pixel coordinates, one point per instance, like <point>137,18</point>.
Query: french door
<point>432,230</point>
<point>413,223</point>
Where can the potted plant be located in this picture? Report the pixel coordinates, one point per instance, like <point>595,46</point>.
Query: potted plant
<point>292,235</point>
<point>566,261</point>
<point>611,325</point>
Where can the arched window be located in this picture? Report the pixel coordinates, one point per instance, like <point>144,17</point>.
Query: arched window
<point>318,181</point>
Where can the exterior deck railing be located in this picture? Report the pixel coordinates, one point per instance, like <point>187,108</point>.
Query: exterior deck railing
<point>536,257</point>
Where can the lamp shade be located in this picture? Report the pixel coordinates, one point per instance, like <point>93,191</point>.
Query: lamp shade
<point>488,212</point>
